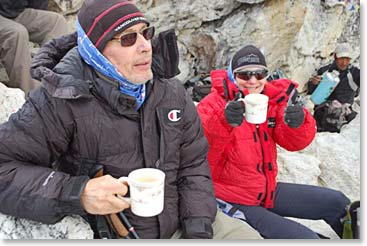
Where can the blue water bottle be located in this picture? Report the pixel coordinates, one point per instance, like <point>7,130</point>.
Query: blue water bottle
<point>326,86</point>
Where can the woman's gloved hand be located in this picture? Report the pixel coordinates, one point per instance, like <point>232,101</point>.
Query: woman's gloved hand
<point>234,112</point>
<point>294,115</point>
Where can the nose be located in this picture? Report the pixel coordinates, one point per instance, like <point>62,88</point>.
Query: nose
<point>345,62</point>
<point>252,80</point>
<point>143,44</point>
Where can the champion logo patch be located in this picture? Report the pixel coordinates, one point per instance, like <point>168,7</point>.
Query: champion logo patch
<point>174,115</point>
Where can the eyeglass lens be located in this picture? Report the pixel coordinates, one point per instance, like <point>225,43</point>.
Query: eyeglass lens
<point>129,39</point>
<point>246,75</point>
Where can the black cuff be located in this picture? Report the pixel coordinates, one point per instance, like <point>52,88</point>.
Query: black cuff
<point>70,198</point>
<point>197,228</point>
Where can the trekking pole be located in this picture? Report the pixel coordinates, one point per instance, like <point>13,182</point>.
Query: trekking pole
<point>118,222</point>
<point>127,224</point>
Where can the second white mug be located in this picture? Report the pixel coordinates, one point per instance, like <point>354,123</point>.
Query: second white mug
<point>256,108</point>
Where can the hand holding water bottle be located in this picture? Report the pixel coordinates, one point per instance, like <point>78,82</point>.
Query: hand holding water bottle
<point>315,80</point>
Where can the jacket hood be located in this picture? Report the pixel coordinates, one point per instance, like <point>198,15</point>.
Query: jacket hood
<point>65,75</point>
<point>58,65</point>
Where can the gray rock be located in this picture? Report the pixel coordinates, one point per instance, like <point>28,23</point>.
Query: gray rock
<point>71,227</point>
<point>10,101</point>
<point>296,36</point>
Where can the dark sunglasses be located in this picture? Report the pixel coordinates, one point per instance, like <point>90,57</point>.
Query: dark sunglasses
<point>129,39</point>
<point>246,75</point>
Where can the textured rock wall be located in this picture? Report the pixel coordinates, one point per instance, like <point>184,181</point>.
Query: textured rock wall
<point>295,35</point>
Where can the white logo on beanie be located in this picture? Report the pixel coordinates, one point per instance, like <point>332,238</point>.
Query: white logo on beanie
<point>122,25</point>
<point>249,59</point>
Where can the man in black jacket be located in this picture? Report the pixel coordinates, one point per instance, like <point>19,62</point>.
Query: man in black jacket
<point>22,21</point>
<point>336,111</point>
<point>102,106</point>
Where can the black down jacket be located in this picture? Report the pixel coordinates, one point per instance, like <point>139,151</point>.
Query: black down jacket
<point>77,120</point>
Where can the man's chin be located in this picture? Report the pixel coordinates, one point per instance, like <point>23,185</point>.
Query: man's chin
<point>138,80</point>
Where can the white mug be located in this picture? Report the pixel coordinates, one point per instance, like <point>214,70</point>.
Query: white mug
<point>256,108</point>
<point>146,191</point>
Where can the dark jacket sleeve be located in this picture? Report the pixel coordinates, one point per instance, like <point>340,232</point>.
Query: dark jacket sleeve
<point>198,208</point>
<point>32,139</point>
<point>50,54</point>
<point>356,77</point>
<point>11,9</point>
<point>38,4</point>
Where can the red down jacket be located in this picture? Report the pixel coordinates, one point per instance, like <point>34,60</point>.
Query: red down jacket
<point>243,159</point>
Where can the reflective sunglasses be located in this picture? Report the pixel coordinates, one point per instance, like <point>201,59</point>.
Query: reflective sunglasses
<point>246,75</point>
<point>130,38</point>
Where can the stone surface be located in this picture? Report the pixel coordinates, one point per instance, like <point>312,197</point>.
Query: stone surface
<point>296,36</point>
<point>10,101</point>
<point>71,227</point>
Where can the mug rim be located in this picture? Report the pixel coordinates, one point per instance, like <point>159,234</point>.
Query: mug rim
<point>159,174</point>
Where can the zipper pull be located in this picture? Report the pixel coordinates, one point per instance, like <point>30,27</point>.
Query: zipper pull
<point>157,163</point>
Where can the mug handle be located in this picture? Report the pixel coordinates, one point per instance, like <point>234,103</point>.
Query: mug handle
<point>124,180</point>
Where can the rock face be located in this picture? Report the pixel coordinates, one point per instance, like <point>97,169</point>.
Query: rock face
<point>10,101</point>
<point>71,227</point>
<point>296,36</point>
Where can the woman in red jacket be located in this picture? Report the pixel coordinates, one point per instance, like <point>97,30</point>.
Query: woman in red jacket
<point>243,156</point>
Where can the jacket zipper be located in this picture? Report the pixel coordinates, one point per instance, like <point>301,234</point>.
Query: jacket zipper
<point>141,133</point>
<point>161,142</point>
<point>262,166</point>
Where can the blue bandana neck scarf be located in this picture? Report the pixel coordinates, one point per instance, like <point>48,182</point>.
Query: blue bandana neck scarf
<point>94,58</point>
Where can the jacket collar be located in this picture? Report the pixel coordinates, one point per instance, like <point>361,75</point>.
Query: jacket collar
<point>72,79</point>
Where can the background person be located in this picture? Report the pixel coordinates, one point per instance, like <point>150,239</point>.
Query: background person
<point>337,110</point>
<point>22,21</point>
<point>243,156</point>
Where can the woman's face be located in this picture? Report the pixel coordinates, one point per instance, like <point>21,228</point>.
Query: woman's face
<point>253,79</point>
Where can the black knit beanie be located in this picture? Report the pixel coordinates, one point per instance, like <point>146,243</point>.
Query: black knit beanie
<point>103,19</point>
<point>248,55</point>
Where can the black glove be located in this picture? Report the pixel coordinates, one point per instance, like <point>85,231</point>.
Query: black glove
<point>234,113</point>
<point>197,228</point>
<point>294,115</point>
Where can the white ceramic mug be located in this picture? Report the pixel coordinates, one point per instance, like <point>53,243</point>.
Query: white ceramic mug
<point>146,191</point>
<point>256,108</point>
